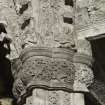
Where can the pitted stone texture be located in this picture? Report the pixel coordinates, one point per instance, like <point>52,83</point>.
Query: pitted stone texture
<point>45,97</point>
<point>90,18</point>
<point>83,77</point>
<point>50,26</point>
<point>19,88</point>
<point>8,15</point>
<point>51,71</point>
<point>46,26</point>
<point>83,62</point>
<point>90,11</point>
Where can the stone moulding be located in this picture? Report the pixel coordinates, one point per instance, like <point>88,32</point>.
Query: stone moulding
<point>84,59</point>
<point>62,53</point>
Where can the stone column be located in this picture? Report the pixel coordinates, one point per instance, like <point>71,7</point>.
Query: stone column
<point>49,70</point>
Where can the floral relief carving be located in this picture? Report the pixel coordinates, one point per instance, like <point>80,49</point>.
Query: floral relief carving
<point>43,69</point>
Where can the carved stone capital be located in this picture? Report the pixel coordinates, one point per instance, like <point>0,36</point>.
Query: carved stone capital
<point>49,69</point>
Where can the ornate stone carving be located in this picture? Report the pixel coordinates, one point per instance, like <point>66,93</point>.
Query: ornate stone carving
<point>48,59</point>
<point>90,11</point>
<point>50,69</point>
<point>46,68</point>
<point>8,14</point>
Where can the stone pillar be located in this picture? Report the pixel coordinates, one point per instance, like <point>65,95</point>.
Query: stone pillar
<point>50,70</point>
<point>42,97</point>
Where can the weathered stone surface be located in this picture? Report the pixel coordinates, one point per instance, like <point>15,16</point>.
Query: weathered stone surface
<point>46,27</point>
<point>50,69</point>
<point>97,89</point>
<point>45,97</point>
<point>43,47</point>
<point>47,42</point>
<point>90,17</point>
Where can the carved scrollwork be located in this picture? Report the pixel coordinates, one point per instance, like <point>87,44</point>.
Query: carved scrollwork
<point>43,69</point>
<point>47,70</point>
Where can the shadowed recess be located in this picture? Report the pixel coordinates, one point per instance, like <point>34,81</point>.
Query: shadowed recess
<point>25,24</point>
<point>69,2</point>
<point>68,20</point>
<point>23,8</point>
